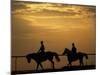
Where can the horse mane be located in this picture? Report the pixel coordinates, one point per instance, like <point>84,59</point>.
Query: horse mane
<point>67,49</point>
<point>30,55</point>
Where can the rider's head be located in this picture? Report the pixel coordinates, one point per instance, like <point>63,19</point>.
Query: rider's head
<point>41,42</point>
<point>72,44</point>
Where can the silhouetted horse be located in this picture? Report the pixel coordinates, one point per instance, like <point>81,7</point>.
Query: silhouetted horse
<point>40,57</point>
<point>79,56</point>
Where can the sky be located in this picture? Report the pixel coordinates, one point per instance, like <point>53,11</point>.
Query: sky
<point>84,2</point>
<point>54,24</point>
<point>58,25</point>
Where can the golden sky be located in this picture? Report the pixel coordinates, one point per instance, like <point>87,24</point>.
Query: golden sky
<point>58,25</point>
<point>53,23</point>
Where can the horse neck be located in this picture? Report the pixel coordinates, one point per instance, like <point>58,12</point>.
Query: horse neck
<point>55,54</point>
<point>33,55</point>
<point>68,52</point>
<point>84,54</point>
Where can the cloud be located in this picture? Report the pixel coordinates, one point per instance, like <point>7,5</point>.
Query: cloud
<point>17,5</point>
<point>51,9</point>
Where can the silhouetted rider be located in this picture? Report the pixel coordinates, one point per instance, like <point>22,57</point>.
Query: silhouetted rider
<point>74,50</point>
<point>42,48</point>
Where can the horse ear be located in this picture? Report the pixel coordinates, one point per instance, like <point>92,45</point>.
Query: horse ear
<point>27,56</point>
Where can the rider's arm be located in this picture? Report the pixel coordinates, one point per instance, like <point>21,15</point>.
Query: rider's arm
<point>39,49</point>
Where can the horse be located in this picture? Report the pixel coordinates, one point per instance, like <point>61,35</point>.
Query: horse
<point>79,56</point>
<point>41,57</point>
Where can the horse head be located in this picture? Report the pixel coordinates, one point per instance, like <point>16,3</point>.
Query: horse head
<point>28,58</point>
<point>66,51</point>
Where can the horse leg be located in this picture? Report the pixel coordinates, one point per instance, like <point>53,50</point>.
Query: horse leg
<point>52,64</point>
<point>41,66</point>
<point>37,66</point>
<point>69,64</point>
<point>81,62</point>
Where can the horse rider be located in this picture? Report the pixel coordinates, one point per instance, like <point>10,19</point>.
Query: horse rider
<point>74,50</point>
<point>42,48</point>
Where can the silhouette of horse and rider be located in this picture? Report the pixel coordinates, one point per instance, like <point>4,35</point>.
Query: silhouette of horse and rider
<point>42,56</point>
<point>74,55</point>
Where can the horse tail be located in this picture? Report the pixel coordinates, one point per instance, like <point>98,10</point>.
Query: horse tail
<point>56,56</point>
<point>86,56</point>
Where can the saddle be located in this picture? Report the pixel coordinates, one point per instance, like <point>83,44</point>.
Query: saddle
<point>73,55</point>
<point>42,54</point>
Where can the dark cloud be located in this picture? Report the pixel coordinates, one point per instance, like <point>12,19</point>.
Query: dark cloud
<point>17,5</point>
<point>91,9</point>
